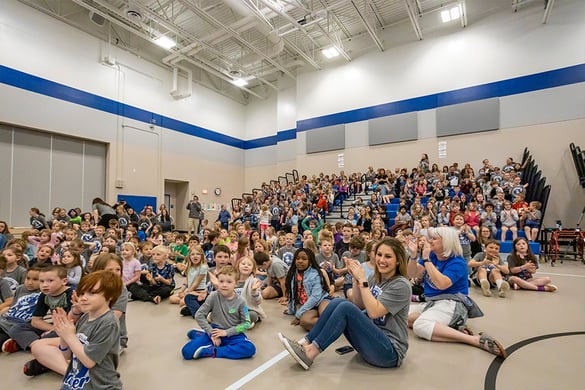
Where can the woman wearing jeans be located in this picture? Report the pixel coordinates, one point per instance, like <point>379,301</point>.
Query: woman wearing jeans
<point>380,335</point>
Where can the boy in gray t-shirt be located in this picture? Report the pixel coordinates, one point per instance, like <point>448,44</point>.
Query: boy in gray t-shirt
<point>93,343</point>
<point>224,337</point>
<point>23,304</point>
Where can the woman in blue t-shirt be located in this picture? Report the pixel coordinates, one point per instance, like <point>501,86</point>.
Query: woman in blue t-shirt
<point>444,273</point>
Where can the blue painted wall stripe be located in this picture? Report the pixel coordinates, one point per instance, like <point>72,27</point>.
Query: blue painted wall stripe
<point>45,87</point>
<point>533,82</point>
<point>549,79</point>
<point>287,135</point>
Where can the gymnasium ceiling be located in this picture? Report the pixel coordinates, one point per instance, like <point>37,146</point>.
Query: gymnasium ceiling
<point>264,41</point>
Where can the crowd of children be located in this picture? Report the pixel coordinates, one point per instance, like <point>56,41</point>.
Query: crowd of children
<point>276,245</point>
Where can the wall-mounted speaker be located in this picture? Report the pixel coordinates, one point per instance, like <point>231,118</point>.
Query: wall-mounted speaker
<point>97,19</point>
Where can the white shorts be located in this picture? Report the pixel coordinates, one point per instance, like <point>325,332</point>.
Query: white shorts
<point>442,312</point>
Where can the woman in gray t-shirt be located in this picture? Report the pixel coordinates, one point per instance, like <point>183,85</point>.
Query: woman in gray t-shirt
<point>380,335</point>
<point>102,212</point>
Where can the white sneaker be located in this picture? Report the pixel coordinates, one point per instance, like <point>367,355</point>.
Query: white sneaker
<point>503,290</point>
<point>485,287</point>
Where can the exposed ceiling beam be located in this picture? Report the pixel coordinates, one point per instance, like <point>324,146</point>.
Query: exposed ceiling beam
<point>413,11</point>
<point>463,8</point>
<point>335,19</point>
<point>376,12</point>
<point>369,28</point>
<point>547,10</point>
<point>186,36</point>
<point>301,28</point>
<point>147,37</point>
<point>210,19</point>
<point>260,15</point>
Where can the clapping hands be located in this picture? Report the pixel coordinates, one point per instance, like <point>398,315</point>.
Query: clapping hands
<point>62,325</point>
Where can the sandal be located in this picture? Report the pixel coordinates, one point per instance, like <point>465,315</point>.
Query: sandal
<point>491,344</point>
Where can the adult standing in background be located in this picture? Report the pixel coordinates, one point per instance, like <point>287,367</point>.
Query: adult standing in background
<point>195,215</point>
<point>102,212</point>
<point>224,217</point>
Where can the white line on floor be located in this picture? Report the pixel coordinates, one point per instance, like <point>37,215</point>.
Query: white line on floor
<point>253,374</point>
<point>571,275</point>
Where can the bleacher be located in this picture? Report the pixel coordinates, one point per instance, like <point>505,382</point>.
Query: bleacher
<point>579,160</point>
<point>537,189</point>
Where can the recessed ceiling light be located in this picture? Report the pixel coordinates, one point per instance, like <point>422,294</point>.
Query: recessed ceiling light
<point>165,42</point>
<point>450,14</point>
<point>240,82</point>
<point>330,52</point>
<point>445,16</point>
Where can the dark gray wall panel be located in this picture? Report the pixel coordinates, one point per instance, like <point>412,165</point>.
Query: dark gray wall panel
<point>31,180</point>
<point>473,117</point>
<point>67,172</point>
<point>5,170</point>
<point>94,173</point>
<point>395,128</point>
<point>325,139</point>
<point>44,170</point>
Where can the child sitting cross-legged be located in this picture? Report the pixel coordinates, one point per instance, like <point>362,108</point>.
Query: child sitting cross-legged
<point>159,281</point>
<point>93,343</point>
<point>47,356</point>
<point>489,269</point>
<point>23,304</point>
<point>224,338</point>
<point>54,294</point>
<point>308,289</point>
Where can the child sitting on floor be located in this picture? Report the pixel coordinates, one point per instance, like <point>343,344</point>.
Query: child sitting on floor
<point>249,287</point>
<point>194,289</point>
<point>93,343</point>
<point>23,304</point>
<point>489,269</point>
<point>54,294</point>
<point>224,338</point>
<point>308,289</point>
<point>523,266</point>
<point>159,281</point>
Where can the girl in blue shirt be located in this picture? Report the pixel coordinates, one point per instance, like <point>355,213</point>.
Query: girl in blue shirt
<point>307,289</point>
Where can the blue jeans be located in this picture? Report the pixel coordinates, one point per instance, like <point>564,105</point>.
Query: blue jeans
<point>193,303</point>
<point>343,317</point>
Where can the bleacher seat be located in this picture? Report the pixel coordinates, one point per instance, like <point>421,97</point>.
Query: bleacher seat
<point>506,247</point>
<point>509,235</point>
<point>395,201</point>
<point>391,214</point>
<point>392,207</point>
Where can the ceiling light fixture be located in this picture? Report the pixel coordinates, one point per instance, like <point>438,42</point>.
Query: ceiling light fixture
<point>450,14</point>
<point>239,82</point>
<point>330,52</point>
<point>165,42</point>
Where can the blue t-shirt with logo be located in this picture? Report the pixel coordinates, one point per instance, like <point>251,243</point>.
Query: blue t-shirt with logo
<point>455,268</point>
